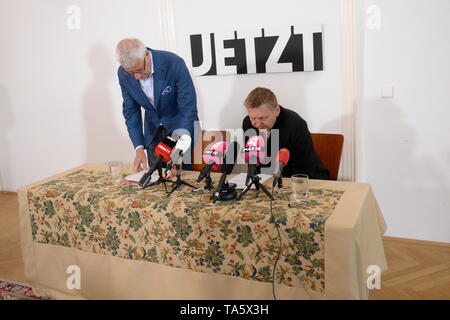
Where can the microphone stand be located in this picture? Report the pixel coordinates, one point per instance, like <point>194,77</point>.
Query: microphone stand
<point>161,179</point>
<point>208,185</point>
<point>208,182</point>
<point>277,180</point>
<point>254,179</point>
<point>144,182</point>
<point>178,182</point>
<point>225,191</point>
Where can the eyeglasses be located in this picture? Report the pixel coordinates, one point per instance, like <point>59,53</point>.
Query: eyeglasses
<point>139,71</point>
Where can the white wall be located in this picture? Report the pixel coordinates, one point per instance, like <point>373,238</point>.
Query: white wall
<point>405,140</point>
<point>315,96</point>
<point>60,102</point>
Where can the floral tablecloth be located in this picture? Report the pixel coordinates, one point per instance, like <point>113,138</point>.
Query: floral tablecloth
<point>85,210</point>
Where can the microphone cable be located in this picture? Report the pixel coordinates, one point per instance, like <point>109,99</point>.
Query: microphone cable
<point>281,246</point>
<point>279,250</point>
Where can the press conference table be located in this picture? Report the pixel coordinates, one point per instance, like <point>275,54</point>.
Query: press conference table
<point>134,243</point>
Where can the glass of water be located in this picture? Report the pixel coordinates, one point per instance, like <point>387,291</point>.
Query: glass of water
<point>115,169</point>
<point>299,185</point>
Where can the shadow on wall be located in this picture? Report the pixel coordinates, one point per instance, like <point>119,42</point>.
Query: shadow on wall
<point>105,141</point>
<point>233,113</point>
<point>231,117</point>
<point>6,124</point>
<point>201,108</point>
<point>412,182</point>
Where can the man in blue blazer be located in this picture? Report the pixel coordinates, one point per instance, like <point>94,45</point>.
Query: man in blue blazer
<point>159,82</point>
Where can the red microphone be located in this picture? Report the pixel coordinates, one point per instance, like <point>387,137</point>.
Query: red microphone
<point>281,162</point>
<point>162,152</point>
<point>254,150</point>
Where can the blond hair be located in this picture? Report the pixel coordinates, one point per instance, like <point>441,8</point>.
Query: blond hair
<point>260,96</point>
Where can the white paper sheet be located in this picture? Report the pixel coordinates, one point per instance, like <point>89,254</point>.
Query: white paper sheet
<point>137,176</point>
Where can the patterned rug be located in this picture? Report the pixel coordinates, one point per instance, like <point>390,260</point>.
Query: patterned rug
<point>17,291</point>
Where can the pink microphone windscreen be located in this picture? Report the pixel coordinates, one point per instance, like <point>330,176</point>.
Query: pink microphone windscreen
<point>215,153</point>
<point>254,150</point>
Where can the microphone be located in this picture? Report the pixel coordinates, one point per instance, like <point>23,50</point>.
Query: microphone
<point>253,154</point>
<point>281,162</point>
<point>162,152</point>
<point>254,151</point>
<point>176,158</point>
<point>183,144</point>
<point>213,158</point>
<point>225,191</point>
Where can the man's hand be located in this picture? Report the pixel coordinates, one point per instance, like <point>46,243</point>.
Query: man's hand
<point>140,161</point>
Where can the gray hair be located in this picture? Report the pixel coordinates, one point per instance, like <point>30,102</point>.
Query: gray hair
<point>128,50</point>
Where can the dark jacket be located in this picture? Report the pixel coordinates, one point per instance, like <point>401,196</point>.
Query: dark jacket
<point>294,136</point>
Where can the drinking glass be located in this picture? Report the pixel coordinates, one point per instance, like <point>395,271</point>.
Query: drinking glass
<point>299,185</point>
<point>115,169</point>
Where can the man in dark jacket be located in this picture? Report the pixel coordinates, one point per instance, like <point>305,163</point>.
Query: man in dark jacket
<point>265,115</point>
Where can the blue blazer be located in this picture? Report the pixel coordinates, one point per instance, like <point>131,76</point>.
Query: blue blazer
<point>174,97</point>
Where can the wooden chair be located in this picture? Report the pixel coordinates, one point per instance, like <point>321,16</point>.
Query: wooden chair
<point>208,138</point>
<point>329,148</point>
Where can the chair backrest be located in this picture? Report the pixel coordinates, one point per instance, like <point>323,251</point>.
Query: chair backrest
<point>328,147</point>
<point>207,138</point>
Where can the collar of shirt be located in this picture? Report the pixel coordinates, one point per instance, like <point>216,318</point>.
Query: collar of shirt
<point>147,84</point>
<point>151,61</point>
<point>153,65</point>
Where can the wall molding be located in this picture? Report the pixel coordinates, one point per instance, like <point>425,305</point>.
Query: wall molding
<point>167,25</point>
<point>416,241</point>
<point>7,193</point>
<point>350,40</point>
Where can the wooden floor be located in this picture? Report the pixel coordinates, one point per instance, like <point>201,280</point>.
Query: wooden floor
<point>417,269</point>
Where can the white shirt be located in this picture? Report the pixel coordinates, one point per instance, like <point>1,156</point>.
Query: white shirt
<point>147,84</point>
<point>147,87</point>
